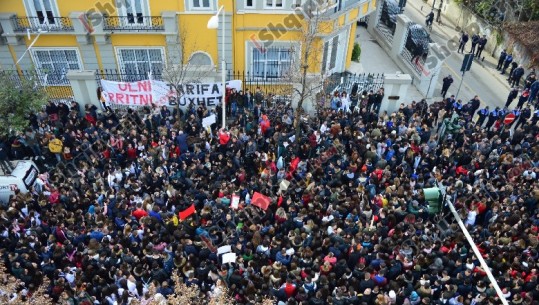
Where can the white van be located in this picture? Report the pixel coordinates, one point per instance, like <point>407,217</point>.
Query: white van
<point>22,178</point>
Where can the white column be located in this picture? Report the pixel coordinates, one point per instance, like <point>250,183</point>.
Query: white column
<point>7,26</point>
<point>395,85</point>
<point>374,17</point>
<point>84,87</point>
<point>401,33</point>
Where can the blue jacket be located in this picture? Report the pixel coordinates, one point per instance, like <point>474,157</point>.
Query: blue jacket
<point>283,259</point>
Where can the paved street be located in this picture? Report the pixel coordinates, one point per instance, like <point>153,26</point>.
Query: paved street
<point>482,79</point>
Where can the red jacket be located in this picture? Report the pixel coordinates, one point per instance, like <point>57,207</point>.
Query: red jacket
<point>90,119</point>
<point>289,289</point>
<point>174,151</point>
<point>131,153</point>
<point>294,164</point>
<point>224,138</point>
<point>139,213</point>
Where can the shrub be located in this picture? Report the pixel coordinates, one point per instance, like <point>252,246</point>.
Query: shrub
<point>356,52</point>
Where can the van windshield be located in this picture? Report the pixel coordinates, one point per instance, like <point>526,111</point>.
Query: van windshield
<point>30,177</point>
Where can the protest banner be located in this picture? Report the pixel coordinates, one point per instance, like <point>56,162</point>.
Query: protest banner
<point>235,203</point>
<point>208,121</point>
<point>159,93</point>
<point>224,249</point>
<point>260,201</point>
<point>229,258</point>
<point>187,212</point>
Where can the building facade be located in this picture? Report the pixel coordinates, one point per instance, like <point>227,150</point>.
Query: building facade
<point>137,37</point>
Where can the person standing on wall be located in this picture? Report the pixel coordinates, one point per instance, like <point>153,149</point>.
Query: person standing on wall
<point>379,96</point>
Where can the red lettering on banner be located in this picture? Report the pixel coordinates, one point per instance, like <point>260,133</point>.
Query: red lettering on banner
<point>111,96</point>
<point>131,88</point>
<point>119,98</point>
<point>145,99</point>
<point>144,86</point>
<point>123,86</point>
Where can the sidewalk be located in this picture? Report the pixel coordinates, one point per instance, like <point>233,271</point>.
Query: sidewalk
<point>375,60</point>
<point>449,29</point>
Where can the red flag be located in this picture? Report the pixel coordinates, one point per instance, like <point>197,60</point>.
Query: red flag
<point>260,201</point>
<point>280,201</point>
<point>188,212</point>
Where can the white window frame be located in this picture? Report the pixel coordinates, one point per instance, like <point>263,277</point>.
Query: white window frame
<point>251,61</point>
<point>43,76</point>
<point>124,11</point>
<point>274,4</point>
<point>253,4</point>
<point>31,11</point>
<point>339,52</point>
<point>192,7</point>
<point>121,62</point>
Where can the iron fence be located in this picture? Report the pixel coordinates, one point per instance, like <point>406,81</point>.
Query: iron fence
<point>270,85</point>
<point>387,23</point>
<point>345,81</point>
<point>42,23</point>
<point>54,93</point>
<point>385,32</point>
<point>133,23</point>
<point>127,75</point>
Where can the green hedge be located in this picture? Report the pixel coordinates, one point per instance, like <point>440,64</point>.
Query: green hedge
<point>356,52</point>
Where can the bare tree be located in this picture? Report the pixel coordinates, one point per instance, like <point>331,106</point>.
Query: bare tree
<point>181,69</point>
<point>306,86</point>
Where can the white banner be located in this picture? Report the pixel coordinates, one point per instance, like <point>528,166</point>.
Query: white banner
<point>208,121</point>
<point>148,92</point>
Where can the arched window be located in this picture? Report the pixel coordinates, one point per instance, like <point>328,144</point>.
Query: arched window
<point>200,59</point>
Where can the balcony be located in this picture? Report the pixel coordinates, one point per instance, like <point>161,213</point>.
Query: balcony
<point>332,8</point>
<point>45,24</point>
<point>133,23</point>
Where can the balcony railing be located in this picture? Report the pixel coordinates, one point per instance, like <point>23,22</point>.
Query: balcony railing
<point>46,24</point>
<point>133,23</point>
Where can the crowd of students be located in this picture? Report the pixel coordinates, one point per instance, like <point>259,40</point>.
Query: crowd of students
<point>107,218</point>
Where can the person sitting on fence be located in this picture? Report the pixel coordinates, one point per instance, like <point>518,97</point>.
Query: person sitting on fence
<point>345,102</point>
<point>336,102</point>
<point>417,53</point>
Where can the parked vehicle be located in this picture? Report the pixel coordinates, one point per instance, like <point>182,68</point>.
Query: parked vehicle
<point>418,38</point>
<point>22,177</point>
<point>390,10</point>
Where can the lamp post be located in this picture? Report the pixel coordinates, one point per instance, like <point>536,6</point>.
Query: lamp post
<point>39,32</point>
<point>213,24</point>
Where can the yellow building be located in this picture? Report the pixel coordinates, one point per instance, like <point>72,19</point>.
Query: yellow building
<point>135,37</point>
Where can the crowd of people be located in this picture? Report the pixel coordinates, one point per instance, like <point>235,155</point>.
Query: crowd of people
<point>106,217</point>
